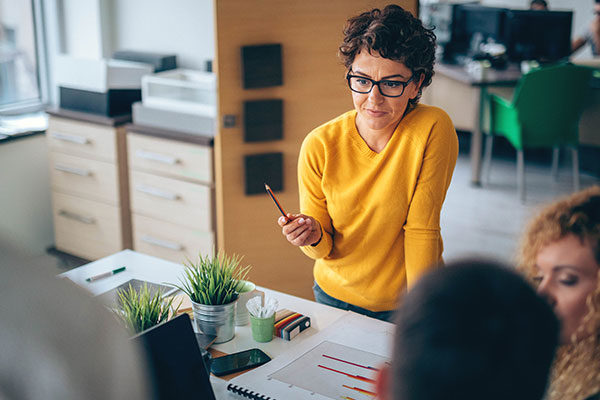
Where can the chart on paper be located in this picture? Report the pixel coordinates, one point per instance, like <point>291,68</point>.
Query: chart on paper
<point>334,371</point>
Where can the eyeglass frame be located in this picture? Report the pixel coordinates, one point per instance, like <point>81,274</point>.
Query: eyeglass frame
<point>376,83</point>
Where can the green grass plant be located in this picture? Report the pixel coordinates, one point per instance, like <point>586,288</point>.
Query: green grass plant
<point>141,309</point>
<point>213,279</point>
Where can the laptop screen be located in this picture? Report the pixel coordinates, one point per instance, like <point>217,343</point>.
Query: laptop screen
<point>175,361</point>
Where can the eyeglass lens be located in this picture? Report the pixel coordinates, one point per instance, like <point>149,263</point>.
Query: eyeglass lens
<point>387,88</point>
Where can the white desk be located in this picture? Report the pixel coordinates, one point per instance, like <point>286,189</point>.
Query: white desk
<point>152,269</point>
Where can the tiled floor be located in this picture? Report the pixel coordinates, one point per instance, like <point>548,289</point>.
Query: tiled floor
<point>488,220</point>
<point>476,221</point>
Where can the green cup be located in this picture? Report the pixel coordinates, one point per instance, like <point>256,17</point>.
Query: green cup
<point>262,328</point>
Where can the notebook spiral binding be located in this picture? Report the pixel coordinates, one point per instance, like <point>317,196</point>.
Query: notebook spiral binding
<point>249,394</point>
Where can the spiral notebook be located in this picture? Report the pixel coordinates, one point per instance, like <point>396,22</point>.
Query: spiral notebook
<point>340,361</point>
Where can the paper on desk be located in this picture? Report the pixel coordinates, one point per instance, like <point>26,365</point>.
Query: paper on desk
<point>295,374</point>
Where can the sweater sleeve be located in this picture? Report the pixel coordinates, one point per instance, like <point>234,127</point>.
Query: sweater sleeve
<point>312,199</point>
<point>422,241</point>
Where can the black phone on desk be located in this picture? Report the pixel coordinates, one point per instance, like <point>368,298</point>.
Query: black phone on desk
<point>240,361</point>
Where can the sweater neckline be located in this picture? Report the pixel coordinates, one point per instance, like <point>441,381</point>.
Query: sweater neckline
<point>362,144</point>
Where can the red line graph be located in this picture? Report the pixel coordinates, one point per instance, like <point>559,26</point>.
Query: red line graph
<point>358,377</point>
<point>363,391</point>
<point>351,363</point>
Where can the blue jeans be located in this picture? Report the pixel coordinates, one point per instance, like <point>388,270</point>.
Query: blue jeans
<point>324,298</point>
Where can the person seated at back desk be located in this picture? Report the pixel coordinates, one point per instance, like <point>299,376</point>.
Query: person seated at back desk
<point>540,5</point>
<point>592,36</point>
<point>471,331</point>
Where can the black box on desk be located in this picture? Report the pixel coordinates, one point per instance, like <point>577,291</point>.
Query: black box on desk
<point>160,62</point>
<point>110,103</point>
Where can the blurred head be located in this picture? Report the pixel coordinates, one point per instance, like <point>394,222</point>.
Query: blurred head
<point>597,9</point>
<point>57,342</point>
<point>393,41</point>
<point>538,5</point>
<point>561,254</point>
<point>473,330</point>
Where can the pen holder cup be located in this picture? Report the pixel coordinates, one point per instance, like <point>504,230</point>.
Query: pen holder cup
<point>247,292</point>
<point>262,328</point>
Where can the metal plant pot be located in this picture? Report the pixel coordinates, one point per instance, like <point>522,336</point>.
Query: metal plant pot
<point>218,320</point>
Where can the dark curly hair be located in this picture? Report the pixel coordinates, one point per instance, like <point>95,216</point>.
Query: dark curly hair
<point>396,35</point>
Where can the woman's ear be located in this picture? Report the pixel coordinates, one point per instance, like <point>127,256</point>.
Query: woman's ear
<point>382,383</point>
<point>418,85</point>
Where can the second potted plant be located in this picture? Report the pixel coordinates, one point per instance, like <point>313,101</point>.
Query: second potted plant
<point>141,309</point>
<point>212,283</point>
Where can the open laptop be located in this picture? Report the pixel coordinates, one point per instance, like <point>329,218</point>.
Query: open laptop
<point>176,365</point>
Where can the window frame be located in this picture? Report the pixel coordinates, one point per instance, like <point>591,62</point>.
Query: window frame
<point>42,71</point>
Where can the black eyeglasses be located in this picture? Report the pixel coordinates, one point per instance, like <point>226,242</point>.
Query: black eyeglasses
<point>387,88</point>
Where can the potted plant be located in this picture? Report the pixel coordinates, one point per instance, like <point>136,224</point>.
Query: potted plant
<point>213,283</point>
<point>142,309</point>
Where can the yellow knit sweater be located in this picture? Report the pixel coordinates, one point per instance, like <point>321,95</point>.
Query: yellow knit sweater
<point>379,212</point>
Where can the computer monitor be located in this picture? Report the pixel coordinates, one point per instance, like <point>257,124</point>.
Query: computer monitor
<point>177,369</point>
<point>538,35</point>
<point>473,19</point>
<point>487,21</point>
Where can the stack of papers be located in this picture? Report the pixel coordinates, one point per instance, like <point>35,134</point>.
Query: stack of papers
<point>18,125</point>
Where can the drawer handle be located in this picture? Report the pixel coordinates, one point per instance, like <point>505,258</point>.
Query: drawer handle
<point>148,155</point>
<point>162,243</point>
<point>77,217</point>
<point>152,191</point>
<point>73,170</point>
<point>70,138</point>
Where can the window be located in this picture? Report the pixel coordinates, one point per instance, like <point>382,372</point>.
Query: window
<point>22,69</point>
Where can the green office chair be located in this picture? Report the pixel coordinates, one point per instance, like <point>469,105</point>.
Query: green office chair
<point>544,113</point>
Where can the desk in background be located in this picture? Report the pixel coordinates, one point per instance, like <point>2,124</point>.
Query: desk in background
<point>463,97</point>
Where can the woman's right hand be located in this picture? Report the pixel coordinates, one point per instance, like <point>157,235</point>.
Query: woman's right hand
<point>300,229</point>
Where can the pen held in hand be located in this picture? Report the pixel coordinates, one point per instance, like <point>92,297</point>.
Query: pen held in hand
<point>268,189</point>
<point>105,274</point>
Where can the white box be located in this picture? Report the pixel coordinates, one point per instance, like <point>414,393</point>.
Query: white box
<point>181,90</point>
<point>192,123</point>
<point>99,75</point>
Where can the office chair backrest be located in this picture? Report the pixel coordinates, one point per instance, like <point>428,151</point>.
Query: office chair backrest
<point>549,102</point>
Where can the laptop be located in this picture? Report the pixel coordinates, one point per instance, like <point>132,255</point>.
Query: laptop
<point>175,361</point>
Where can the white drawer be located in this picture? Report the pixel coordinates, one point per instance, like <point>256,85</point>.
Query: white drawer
<point>91,179</point>
<point>86,228</point>
<point>182,203</point>
<point>169,241</point>
<point>170,157</point>
<point>81,138</point>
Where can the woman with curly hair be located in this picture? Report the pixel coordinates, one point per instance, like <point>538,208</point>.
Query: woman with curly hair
<point>561,254</point>
<point>373,180</point>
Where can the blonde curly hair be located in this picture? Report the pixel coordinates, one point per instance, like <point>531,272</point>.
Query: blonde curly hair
<point>576,370</point>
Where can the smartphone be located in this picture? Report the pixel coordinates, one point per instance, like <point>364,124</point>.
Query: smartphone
<point>238,362</point>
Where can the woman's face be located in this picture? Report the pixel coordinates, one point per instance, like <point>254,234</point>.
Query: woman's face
<point>375,111</point>
<point>567,274</point>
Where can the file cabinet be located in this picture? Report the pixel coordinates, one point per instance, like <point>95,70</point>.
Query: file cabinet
<point>90,191</point>
<point>172,193</point>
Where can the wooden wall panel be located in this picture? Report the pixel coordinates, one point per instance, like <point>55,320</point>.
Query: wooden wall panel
<point>313,92</point>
